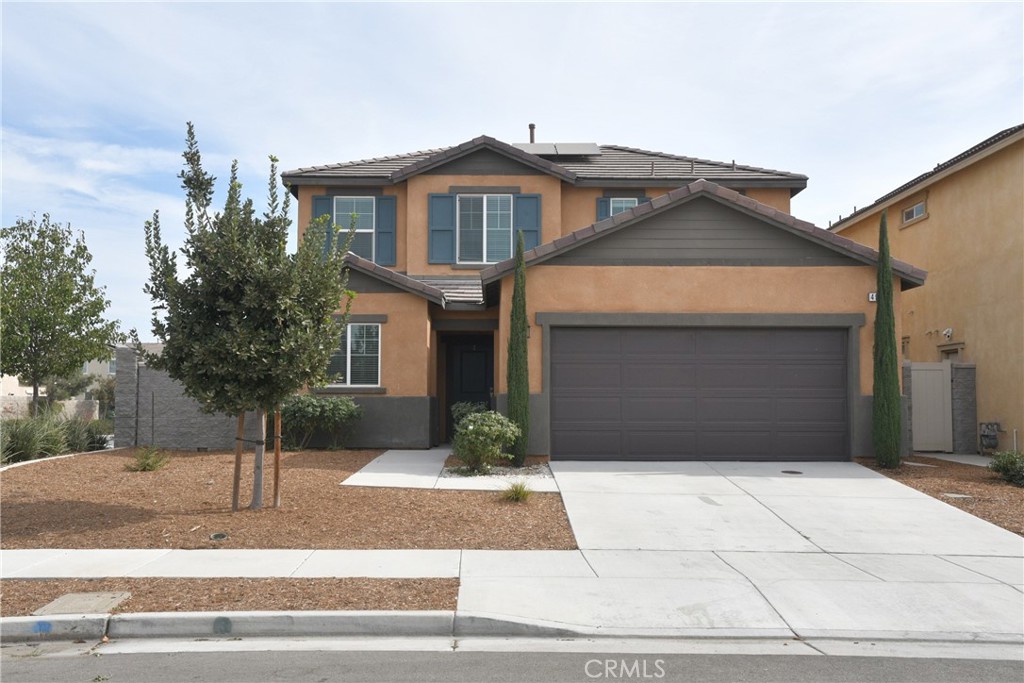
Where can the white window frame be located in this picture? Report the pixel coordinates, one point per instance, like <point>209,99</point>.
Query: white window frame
<point>343,227</point>
<point>348,358</point>
<point>915,214</point>
<point>458,226</point>
<point>612,200</point>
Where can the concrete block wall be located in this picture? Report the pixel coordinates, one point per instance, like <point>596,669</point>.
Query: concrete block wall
<point>152,409</point>
<point>965,408</point>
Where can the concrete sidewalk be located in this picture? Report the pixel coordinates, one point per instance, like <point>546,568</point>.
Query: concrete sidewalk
<point>711,550</point>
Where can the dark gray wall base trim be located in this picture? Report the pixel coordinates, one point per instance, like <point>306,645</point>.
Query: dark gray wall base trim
<point>862,437</point>
<point>540,426</point>
<point>484,189</point>
<point>701,319</point>
<point>463,325</point>
<point>367,318</point>
<point>395,422</point>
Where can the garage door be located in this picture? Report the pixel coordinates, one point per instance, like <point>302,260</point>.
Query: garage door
<point>698,394</point>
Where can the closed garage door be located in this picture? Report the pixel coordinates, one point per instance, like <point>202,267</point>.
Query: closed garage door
<point>698,394</point>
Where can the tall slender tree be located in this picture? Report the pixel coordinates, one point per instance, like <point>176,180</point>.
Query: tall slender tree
<point>51,311</point>
<point>518,367</point>
<point>250,324</point>
<point>886,391</point>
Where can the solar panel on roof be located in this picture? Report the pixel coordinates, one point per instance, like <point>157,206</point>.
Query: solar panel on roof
<point>538,148</point>
<point>577,149</point>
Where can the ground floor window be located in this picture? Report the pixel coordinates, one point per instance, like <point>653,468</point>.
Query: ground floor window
<point>357,360</point>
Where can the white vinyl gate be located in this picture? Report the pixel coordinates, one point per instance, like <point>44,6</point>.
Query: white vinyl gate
<point>932,406</point>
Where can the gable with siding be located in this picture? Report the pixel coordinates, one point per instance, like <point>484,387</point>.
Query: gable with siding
<point>702,232</point>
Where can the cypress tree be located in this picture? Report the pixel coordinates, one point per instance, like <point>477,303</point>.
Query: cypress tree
<point>518,369</point>
<point>886,391</point>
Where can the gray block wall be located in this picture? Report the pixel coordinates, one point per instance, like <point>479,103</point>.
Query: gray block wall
<point>965,408</point>
<point>152,409</point>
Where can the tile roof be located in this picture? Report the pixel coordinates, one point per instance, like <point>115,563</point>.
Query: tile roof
<point>396,279</point>
<point>615,162</point>
<point>910,275</point>
<point>939,168</point>
<point>457,290</point>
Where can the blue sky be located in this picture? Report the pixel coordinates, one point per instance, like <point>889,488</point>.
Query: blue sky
<point>860,97</point>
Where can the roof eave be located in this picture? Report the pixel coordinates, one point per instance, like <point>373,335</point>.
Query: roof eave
<point>396,279</point>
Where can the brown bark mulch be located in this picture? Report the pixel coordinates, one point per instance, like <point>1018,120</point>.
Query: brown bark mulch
<point>22,597</point>
<point>92,501</point>
<point>991,497</point>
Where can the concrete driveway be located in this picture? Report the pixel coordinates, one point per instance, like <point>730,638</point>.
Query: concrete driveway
<point>823,550</point>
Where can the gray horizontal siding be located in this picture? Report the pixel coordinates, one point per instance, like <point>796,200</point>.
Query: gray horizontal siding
<point>702,232</point>
<point>483,162</point>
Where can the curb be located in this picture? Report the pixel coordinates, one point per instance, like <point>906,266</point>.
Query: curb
<point>440,624</point>
<point>56,627</point>
<point>276,624</point>
<point>51,458</point>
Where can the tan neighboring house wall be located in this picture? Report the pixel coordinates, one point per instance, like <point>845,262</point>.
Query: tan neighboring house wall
<point>970,239</point>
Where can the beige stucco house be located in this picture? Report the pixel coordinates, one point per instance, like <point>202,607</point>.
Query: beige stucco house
<point>963,222</point>
<point>677,310</point>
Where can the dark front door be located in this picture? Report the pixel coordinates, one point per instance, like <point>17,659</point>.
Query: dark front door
<point>470,372</point>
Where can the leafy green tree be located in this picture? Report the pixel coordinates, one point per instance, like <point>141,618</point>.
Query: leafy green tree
<point>51,313</point>
<point>66,388</point>
<point>250,324</point>
<point>886,392</point>
<point>518,368</point>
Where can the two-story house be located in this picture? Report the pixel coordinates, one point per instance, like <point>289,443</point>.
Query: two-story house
<point>963,221</point>
<point>676,309</point>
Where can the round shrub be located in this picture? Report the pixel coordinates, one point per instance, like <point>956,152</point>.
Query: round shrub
<point>480,439</point>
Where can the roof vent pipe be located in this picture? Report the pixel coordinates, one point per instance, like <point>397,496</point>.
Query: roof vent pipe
<point>533,127</point>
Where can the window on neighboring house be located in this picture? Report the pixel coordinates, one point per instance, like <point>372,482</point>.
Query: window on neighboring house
<point>362,209</point>
<point>484,228</point>
<point>620,204</point>
<point>357,360</point>
<point>112,367</point>
<point>913,212</point>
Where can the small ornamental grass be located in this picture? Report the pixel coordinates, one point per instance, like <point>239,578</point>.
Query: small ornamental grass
<point>481,438</point>
<point>1009,465</point>
<point>46,435</point>
<point>147,459</point>
<point>517,492</point>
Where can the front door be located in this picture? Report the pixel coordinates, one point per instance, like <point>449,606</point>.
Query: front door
<point>470,372</point>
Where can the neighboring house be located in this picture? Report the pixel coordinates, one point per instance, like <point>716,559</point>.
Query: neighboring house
<point>963,222</point>
<point>677,310</point>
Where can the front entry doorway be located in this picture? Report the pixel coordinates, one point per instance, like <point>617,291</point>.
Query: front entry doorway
<point>469,372</point>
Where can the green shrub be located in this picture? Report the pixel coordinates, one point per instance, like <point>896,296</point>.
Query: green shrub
<point>1010,466</point>
<point>480,439</point>
<point>147,459</point>
<point>302,416</point>
<point>517,492</point>
<point>76,434</point>
<point>28,438</point>
<point>463,408</point>
<point>98,432</point>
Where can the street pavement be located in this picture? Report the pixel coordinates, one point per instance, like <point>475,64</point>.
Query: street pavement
<point>694,549</point>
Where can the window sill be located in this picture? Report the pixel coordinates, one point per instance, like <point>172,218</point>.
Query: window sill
<point>350,391</point>
<point>920,218</point>
<point>470,266</point>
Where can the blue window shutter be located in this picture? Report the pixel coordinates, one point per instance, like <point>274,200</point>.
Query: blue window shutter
<point>441,225</point>
<point>604,208</point>
<point>526,217</point>
<point>385,233</point>
<point>322,206</point>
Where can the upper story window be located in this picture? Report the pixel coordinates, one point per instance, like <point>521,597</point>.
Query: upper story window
<point>362,209</point>
<point>357,360</point>
<point>620,204</point>
<point>912,213</point>
<point>484,228</point>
